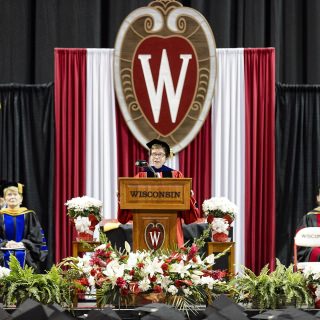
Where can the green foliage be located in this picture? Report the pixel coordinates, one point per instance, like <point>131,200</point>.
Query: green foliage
<point>271,290</point>
<point>23,283</point>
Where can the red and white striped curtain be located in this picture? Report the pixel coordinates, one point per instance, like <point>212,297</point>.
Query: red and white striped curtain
<point>232,156</point>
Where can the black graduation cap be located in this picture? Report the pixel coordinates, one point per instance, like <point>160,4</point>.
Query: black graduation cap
<point>288,313</point>
<point>163,144</point>
<point>164,313</point>
<point>4,315</point>
<point>31,309</point>
<point>225,308</point>
<point>8,184</point>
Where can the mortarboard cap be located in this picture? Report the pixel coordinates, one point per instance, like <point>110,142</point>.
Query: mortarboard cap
<point>163,144</point>
<point>12,184</point>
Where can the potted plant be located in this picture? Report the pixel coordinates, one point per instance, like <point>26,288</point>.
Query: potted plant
<point>220,213</point>
<point>86,214</point>
<point>18,284</point>
<point>271,290</point>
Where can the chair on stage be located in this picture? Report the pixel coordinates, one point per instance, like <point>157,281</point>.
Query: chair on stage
<point>306,237</point>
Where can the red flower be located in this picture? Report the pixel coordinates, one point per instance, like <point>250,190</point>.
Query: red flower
<point>193,251</point>
<point>210,218</point>
<point>121,282</point>
<point>140,265</point>
<point>215,274</point>
<point>131,272</point>
<point>153,279</point>
<point>165,267</point>
<point>179,283</point>
<point>83,282</point>
<point>157,289</point>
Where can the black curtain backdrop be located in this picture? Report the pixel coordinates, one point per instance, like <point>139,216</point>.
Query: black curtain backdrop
<point>297,160</point>
<point>31,29</point>
<point>27,147</point>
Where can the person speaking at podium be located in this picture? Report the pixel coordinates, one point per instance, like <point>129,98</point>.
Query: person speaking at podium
<point>20,230</point>
<point>159,152</point>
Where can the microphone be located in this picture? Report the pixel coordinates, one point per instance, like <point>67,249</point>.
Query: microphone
<point>144,164</point>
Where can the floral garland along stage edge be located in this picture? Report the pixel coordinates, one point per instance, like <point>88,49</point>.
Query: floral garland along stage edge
<point>180,277</point>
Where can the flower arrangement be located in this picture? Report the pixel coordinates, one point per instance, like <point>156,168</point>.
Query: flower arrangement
<point>180,277</point>
<point>219,207</point>
<point>83,207</point>
<point>312,274</point>
<point>220,229</point>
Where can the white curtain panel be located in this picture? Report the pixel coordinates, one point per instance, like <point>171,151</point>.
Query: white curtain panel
<point>173,162</point>
<point>228,138</point>
<point>101,152</point>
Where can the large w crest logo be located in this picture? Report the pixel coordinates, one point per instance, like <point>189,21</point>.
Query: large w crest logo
<point>164,81</point>
<point>164,69</point>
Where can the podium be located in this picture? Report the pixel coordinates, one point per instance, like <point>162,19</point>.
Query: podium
<point>154,203</point>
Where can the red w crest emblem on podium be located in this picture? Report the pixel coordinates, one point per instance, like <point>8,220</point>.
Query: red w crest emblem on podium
<point>164,69</point>
<point>154,235</point>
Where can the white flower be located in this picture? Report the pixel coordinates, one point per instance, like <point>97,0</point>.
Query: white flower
<point>82,224</point>
<point>4,272</point>
<point>127,246</point>
<point>91,281</point>
<point>196,279</point>
<point>83,206</point>
<point>187,291</point>
<point>210,259</point>
<point>180,268</point>
<point>220,204</point>
<point>144,284</point>
<point>82,203</point>
<point>153,266</point>
<point>220,225</point>
<point>165,282</point>
<point>132,260</point>
<point>113,271</point>
<point>84,263</point>
<point>101,247</point>
<point>197,272</point>
<point>173,290</point>
<point>208,281</point>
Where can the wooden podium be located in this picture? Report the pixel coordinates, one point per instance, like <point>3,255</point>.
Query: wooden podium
<point>154,203</point>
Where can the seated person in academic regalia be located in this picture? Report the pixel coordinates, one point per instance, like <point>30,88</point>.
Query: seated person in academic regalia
<point>20,230</point>
<point>159,153</point>
<point>311,219</point>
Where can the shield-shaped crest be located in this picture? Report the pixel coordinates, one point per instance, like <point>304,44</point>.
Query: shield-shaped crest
<point>164,70</point>
<point>154,235</point>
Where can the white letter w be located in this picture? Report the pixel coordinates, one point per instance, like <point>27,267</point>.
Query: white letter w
<point>155,236</point>
<point>165,79</point>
